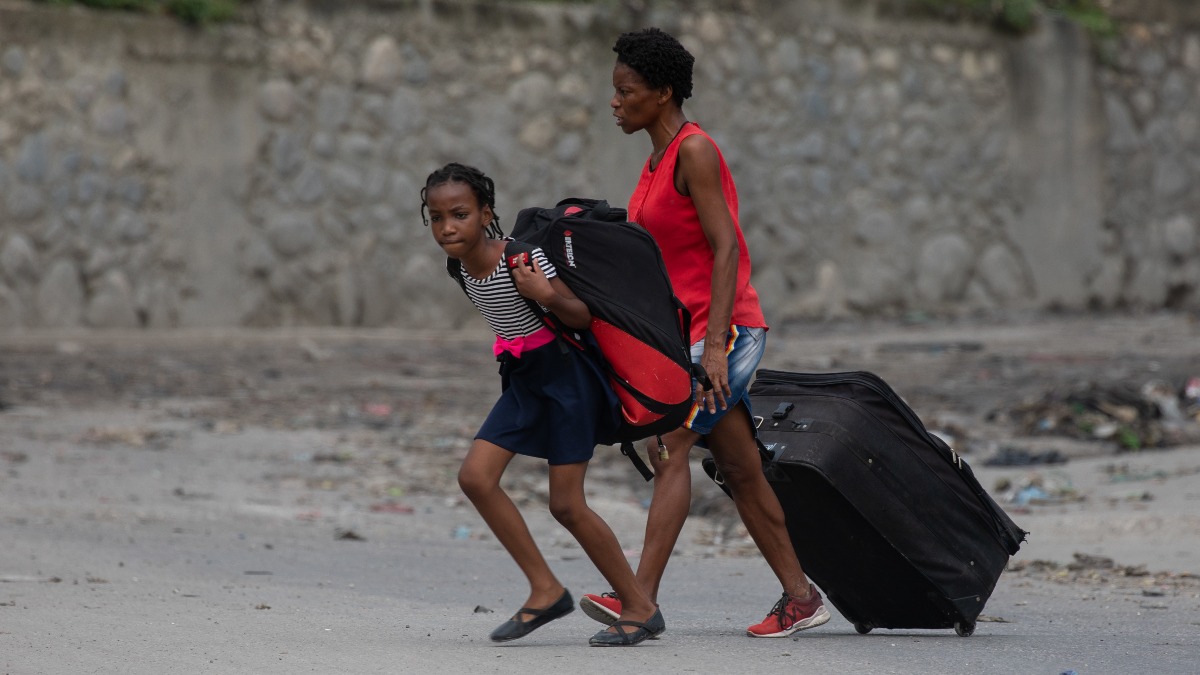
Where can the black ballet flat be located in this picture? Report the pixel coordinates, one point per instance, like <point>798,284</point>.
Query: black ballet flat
<point>623,638</point>
<point>515,628</point>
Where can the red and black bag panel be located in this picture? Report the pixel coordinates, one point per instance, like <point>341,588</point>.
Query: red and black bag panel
<point>616,268</point>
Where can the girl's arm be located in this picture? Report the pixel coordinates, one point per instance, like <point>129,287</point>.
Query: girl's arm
<point>552,294</point>
<point>700,170</point>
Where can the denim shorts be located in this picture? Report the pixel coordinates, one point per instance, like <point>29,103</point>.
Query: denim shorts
<point>744,350</point>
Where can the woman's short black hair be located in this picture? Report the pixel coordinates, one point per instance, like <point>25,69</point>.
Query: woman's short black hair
<point>659,59</point>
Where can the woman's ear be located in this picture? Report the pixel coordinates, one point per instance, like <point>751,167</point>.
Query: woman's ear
<point>665,93</point>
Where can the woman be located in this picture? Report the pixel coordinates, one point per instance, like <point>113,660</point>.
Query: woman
<point>687,200</point>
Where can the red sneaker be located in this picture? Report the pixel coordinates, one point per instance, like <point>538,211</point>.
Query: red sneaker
<point>790,615</point>
<point>605,608</point>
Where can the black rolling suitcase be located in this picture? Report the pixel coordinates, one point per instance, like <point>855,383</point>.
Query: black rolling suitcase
<point>887,520</point>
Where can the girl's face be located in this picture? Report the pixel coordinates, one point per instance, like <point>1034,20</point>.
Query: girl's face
<point>635,104</point>
<point>456,219</point>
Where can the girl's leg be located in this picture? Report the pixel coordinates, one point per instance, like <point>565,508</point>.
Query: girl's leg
<point>479,478</point>
<point>569,507</point>
<point>669,506</point>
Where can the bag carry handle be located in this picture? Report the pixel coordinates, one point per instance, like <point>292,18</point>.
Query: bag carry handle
<point>599,209</point>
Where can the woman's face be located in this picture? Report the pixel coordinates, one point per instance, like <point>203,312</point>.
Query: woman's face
<point>635,105</point>
<point>455,218</point>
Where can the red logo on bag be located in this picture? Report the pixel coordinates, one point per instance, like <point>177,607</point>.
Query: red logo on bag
<point>572,210</point>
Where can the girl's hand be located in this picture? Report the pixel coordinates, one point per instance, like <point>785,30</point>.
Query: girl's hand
<point>552,294</point>
<point>532,283</point>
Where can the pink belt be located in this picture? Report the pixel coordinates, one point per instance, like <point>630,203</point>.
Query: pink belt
<point>515,346</point>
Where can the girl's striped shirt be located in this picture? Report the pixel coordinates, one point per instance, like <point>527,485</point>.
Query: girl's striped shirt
<point>502,306</point>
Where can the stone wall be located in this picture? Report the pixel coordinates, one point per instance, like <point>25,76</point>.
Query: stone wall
<point>267,173</point>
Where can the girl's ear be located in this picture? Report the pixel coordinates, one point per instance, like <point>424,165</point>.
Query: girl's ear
<point>488,216</point>
<point>665,93</point>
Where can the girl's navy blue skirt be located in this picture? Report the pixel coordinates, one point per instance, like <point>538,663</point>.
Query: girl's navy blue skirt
<point>555,404</point>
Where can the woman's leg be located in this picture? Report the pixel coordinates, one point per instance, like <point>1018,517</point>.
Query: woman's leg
<point>479,478</point>
<point>736,453</point>
<point>569,507</point>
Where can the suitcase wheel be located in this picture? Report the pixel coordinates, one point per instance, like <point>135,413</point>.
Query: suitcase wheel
<point>963,628</point>
<point>862,628</point>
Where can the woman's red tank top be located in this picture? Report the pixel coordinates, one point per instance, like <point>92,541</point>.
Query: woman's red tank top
<point>675,224</point>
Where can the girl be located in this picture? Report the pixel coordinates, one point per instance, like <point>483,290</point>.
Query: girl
<point>554,405</point>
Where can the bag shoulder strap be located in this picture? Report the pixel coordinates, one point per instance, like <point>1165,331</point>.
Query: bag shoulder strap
<point>631,452</point>
<point>513,248</point>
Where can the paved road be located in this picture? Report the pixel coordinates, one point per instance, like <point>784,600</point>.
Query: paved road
<point>109,567</point>
<point>212,594</point>
<point>224,515</point>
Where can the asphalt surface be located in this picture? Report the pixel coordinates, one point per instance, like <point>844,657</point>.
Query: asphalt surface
<point>234,502</point>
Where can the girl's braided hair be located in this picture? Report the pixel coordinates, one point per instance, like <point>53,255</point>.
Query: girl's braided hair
<point>659,58</point>
<point>480,184</point>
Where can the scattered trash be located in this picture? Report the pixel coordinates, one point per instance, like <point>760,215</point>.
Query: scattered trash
<point>1191,395</point>
<point>1099,569</point>
<point>377,409</point>
<point>480,609</point>
<point>1155,415</point>
<point>1088,561</point>
<point>1038,489</point>
<point>983,618</point>
<point>1010,456</point>
<point>262,607</point>
<point>1121,473</point>
<point>377,415</point>
<point>348,535</point>
<point>461,532</point>
<point>1153,592</point>
<point>1166,398</point>
<point>1031,493</point>
<point>1145,496</point>
<point>262,573</point>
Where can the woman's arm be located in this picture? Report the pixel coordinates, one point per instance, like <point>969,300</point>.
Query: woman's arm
<point>552,294</point>
<point>699,171</point>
